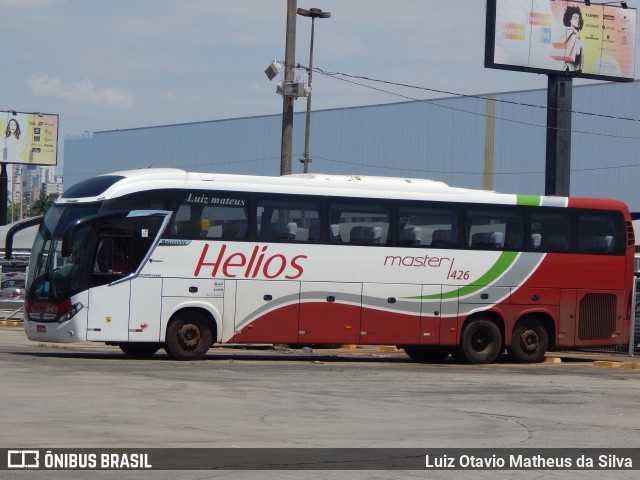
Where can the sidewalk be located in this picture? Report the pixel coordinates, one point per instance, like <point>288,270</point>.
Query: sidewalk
<point>616,359</point>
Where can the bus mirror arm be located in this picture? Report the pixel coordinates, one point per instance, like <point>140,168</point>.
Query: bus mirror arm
<point>69,233</point>
<point>8,243</point>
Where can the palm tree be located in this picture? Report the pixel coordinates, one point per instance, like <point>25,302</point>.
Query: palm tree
<point>41,205</point>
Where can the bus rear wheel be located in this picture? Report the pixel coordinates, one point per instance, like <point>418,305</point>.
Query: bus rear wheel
<point>425,354</point>
<point>529,341</point>
<point>480,342</point>
<point>139,350</point>
<point>188,336</point>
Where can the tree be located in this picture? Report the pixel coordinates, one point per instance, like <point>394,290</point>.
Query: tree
<point>13,211</point>
<point>41,205</point>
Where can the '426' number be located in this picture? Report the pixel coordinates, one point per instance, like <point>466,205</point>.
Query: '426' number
<point>459,275</point>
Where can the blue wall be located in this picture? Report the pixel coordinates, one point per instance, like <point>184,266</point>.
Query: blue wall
<point>442,139</point>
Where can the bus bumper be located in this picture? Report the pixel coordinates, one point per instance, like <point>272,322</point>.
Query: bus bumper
<point>74,330</point>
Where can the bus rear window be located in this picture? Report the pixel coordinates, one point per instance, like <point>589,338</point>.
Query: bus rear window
<point>600,232</point>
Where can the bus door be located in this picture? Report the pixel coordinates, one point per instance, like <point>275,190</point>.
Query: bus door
<point>123,306</point>
<point>330,313</point>
<point>391,314</point>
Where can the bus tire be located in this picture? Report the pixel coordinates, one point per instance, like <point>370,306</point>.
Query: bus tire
<point>529,341</point>
<point>189,336</point>
<point>424,354</point>
<point>481,341</point>
<point>139,349</point>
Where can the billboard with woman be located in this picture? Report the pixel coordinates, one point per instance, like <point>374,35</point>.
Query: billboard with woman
<point>30,138</point>
<point>544,36</point>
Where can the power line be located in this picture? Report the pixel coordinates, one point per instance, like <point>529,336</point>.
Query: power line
<point>462,110</point>
<point>459,172</point>
<point>348,78</point>
<point>394,168</point>
<point>337,76</point>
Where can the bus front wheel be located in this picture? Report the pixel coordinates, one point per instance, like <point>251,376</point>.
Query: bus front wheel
<point>480,342</point>
<point>529,341</point>
<point>188,336</point>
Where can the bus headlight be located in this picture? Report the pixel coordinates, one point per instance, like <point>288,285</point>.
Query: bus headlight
<point>72,312</point>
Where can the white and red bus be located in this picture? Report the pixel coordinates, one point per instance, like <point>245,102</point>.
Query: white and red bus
<point>157,258</point>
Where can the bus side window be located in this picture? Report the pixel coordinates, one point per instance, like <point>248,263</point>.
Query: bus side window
<point>598,232</point>
<point>427,226</point>
<point>120,264</point>
<point>550,231</point>
<point>234,229</point>
<point>211,215</point>
<point>494,229</point>
<point>536,240</point>
<point>359,224</point>
<point>192,228</point>
<point>442,239</point>
<point>112,256</point>
<point>287,219</point>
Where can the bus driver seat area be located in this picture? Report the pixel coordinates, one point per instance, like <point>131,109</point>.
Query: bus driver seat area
<point>193,228</point>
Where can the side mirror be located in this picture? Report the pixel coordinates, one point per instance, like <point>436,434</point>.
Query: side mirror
<point>8,243</point>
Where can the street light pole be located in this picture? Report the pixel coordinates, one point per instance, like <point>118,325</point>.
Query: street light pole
<point>313,13</point>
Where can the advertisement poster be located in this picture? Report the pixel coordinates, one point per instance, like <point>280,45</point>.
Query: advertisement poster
<point>557,36</point>
<point>29,138</point>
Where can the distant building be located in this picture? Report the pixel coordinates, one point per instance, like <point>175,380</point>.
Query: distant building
<point>26,182</point>
<point>53,187</point>
<point>456,140</point>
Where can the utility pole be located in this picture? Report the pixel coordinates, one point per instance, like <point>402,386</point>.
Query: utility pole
<point>3,194</point>
<point>312,13</point>
<point>558,159</point>
<point>287,100</point>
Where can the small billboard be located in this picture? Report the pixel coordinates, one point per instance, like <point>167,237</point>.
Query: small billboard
<point>28,138</point>
<point>561,37</point>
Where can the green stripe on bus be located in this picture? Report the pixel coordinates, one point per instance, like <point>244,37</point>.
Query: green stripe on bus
<point>505,260</point>
<point>529,200</point>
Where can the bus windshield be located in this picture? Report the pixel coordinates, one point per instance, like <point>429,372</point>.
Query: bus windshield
<point>51,275</point>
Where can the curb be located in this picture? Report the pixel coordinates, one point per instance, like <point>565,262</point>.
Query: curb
<point>388,348</point>
<point>552,360</point>
<point>10,323</point>
<point>606,364</point>
<point>625,365</point>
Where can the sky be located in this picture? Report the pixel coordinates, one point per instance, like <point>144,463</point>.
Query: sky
<point>118,64</point>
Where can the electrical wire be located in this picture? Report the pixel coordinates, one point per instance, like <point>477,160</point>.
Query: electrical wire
<point>349,78</point>
<point>337,76</point>
<point>395,168</point>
